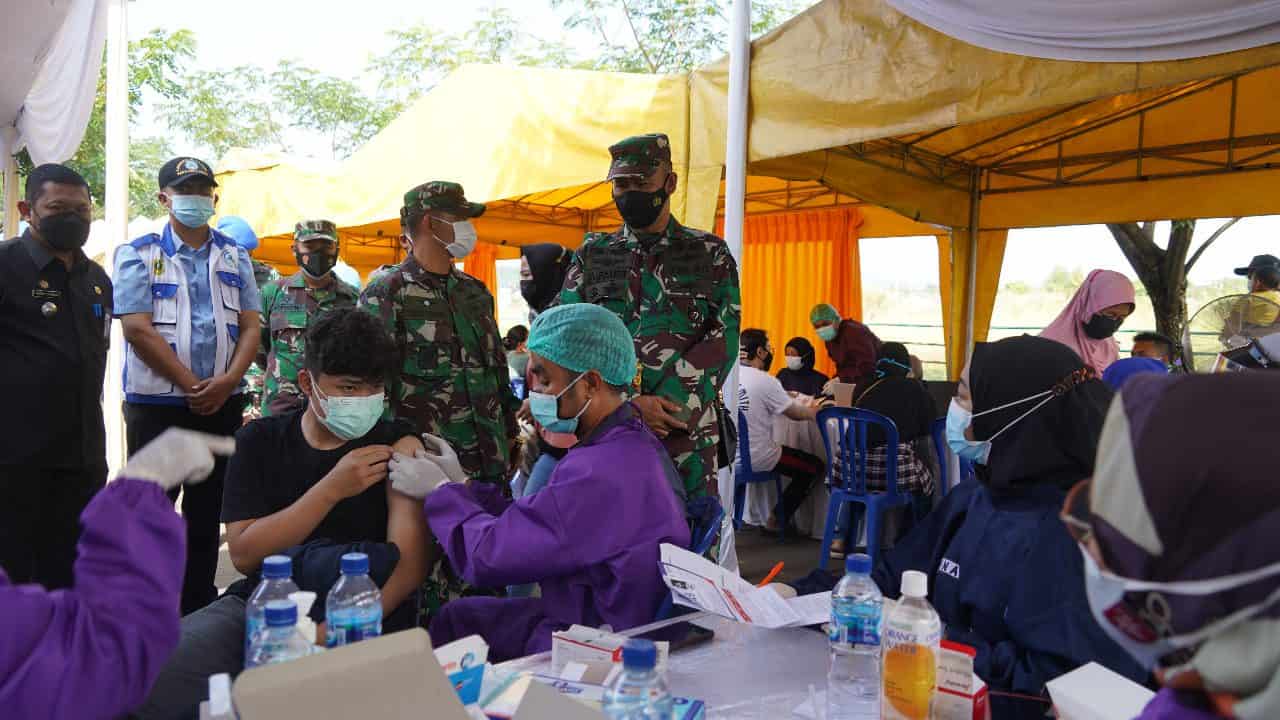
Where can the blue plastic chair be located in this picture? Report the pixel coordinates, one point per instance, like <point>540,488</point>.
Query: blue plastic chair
<point>743,475</point>
<point>939,432</point>
<point>847,453</point>
<point>705,515</point>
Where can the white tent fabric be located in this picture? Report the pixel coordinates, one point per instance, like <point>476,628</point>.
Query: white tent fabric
<point>51,53</point>
<point>1103,30</point>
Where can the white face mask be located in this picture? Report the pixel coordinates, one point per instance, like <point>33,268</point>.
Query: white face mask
<point>1144,633</point>
<point>464,239</point>
<point>795,363</point>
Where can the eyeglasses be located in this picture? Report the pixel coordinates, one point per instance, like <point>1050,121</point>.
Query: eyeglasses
<point>1075,513</point>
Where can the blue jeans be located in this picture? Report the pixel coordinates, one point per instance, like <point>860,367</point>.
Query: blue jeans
<point>537,479</point>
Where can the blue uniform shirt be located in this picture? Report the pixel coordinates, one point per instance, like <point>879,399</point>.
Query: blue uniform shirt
<point>132,281</point>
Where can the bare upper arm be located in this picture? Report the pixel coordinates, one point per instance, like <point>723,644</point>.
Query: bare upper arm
<point>134,322</point>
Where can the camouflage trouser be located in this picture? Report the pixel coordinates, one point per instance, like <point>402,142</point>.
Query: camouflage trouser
<point>697,465</point>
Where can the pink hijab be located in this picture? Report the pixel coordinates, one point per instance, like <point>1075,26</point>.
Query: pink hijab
<point>1099,291</point>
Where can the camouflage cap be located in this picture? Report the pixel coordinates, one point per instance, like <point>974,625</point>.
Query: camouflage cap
<point>311,229</point>
<point>639,155</point>
<point>439,195</point>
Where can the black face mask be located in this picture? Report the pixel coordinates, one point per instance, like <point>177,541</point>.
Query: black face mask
<point>317,264</point>
<point>64,231</point>
<point>639,209</point>
<point>1101,327</point>
<point>768,361</point>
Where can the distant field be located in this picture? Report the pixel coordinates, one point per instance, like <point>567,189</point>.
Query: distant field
<point>914,316</point>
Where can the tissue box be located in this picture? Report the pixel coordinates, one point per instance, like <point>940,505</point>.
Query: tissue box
<point>962,695</point>
<point>589,646</point>
<point>1092,692</point>
<point>463,662</point>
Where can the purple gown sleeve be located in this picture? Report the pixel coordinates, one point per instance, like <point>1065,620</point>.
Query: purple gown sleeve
<point>527,542</point>
<point>93,651</point>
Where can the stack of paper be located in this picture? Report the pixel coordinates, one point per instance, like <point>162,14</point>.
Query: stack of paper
<point>697,583</point>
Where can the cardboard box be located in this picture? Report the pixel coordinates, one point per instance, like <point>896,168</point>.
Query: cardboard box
<point>1092,692</point>
<point>961,695</point>
<point>464,662</point>
<point>394,677</point>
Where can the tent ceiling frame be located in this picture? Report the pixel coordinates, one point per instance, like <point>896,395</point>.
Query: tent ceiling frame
<point>905,155</point>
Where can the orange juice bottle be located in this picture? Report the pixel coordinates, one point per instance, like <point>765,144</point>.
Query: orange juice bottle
<point>912,635</point>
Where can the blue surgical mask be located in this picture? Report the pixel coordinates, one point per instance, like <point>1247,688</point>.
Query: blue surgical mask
<point>546,410</point>
<point>979,451</point>
<point>827,333</point>
<point>1144,632</point>
<point>193,211</point>
<point>349,417</point>
<point>959,420</point>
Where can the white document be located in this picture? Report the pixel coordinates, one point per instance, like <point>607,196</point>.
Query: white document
<point>697,583</point>
<point>1092,692</point>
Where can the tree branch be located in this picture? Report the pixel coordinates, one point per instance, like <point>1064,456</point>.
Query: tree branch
<point>1216,234</point>
<point>626,10</point>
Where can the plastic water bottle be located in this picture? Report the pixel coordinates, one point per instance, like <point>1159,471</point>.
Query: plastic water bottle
<point>853,682</point>
<point>639,692</point>
<point>280,640</point>
<point>277,583</point>
<point>353,610</point>
<point>912,635</point>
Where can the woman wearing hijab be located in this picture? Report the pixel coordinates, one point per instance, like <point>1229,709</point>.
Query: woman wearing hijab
<point>899,396</point>
<point>799,376</point>
<point>1120,371</point>
<point>1179,540</point>
<point>1089,322</point>
<point>1004,575</point>
<point>542,271</point>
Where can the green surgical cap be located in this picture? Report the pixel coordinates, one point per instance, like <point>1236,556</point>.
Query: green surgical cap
<point>824,313</point>
<point>582,337</point>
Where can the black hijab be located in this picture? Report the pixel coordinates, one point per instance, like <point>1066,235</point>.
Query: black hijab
<point>903,400</point>
<point>806,380</point>
<point>548,264</point>
<point>1056,444</point>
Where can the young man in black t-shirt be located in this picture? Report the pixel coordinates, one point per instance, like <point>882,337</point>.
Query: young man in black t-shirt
<point>310,484</point>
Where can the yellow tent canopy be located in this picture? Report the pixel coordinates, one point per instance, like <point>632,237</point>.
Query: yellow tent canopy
<point>852,105</point>
<point>868,102</point>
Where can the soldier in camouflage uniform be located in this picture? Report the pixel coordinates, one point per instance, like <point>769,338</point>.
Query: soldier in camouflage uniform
<point>263,274</point>
<point>453,380</point>
<point>288,307</point>
<point>676,289</point>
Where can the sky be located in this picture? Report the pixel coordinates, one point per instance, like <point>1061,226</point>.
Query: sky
<point>333,38</point>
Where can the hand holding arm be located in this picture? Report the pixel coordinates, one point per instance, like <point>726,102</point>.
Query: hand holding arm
<point>250,541</point>
<point>155,351</point>
<point>657,414</point>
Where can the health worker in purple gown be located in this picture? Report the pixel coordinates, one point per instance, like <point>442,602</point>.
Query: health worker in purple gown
<point>93,650</point>
<point>591,536</point>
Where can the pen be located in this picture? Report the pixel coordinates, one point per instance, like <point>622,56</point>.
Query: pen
<point>772,574</point>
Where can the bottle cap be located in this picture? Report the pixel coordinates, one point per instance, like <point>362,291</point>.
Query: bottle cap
<point>355,564</point>
<point>281,613</point>
<point>915,584</point>
<point>276,567</point>
<point>858,563</point>
<point>639,654</point>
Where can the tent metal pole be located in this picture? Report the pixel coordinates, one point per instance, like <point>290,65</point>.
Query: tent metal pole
<point>117,213</point>
<point>735,161</point>
<point>971,289</point>
<point>10,210</point>
<point>735,164</point>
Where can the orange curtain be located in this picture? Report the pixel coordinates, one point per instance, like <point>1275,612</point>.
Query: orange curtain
<point>481,265</point>
<point>793,261</point>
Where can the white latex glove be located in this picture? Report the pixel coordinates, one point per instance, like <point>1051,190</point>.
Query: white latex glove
<point>178,457</point>
<point>444,456</point>
<point>416,476</point>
